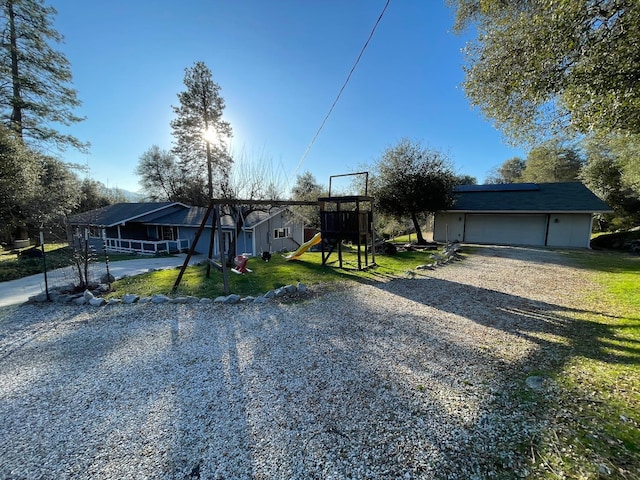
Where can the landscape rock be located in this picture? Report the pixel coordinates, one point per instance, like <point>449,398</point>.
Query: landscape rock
<point>88,295</point>
<point>107,278</point>
<point>232,299</point>
<point>205,300</point>
<point>80,300</point>
<point>130,298</point>
<point>269,294</point>
<point>179,300</point>
<point>536,382</point>
<point>191,299</point>
<point>280,292</point>
<point>302,288</point>
<point>114,301</point>
<point>290,289</point>
<point>247,299</point>
<point>262,299</point>
<point>220,299</point>
<point>102,288</point>
<point>160,299</point>
<point>97,301</point>
<point>144,300</point>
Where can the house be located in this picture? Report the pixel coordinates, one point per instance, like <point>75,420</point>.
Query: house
<point>540,214</point>
<point>150,228</point>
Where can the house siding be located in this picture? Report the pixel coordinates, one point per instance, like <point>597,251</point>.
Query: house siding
<point>264,238</point>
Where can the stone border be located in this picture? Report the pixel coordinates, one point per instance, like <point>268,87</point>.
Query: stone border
<point>89,298</point>
<point>450,252</point>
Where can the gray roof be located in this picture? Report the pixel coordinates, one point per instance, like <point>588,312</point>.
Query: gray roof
<point>159,213</point>
<point>528,197</point>
<point>119,213</point>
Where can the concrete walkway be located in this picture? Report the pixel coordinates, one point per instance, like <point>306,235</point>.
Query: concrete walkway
<point>18,291</point>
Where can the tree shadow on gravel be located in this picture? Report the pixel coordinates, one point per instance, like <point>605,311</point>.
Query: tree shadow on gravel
<point>521,316</point>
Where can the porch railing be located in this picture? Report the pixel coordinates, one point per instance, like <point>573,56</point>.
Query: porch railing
<point>146,247</point>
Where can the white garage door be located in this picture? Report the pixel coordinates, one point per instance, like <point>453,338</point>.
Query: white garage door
<point>505,229</point>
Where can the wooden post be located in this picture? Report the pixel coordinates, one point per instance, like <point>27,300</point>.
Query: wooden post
<point>211,241</point>
<point>193,248</point>
<point>223,261</point>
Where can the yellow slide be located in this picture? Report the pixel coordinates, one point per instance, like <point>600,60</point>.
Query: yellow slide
<point>305,246</point>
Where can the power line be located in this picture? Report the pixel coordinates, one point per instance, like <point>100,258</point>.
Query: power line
<point>341,89</point>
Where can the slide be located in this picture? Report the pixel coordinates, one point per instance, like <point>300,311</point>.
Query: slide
<point>304,247</point>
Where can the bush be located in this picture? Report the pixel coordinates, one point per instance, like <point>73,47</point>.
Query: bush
<point>615,240</point>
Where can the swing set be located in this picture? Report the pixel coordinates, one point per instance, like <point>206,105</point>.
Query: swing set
<point>342,219</point>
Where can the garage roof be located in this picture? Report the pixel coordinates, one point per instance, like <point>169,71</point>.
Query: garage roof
<point>528,197</point>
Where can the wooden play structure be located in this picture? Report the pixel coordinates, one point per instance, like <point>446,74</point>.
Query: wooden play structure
<point>343,219</point>
<point>347,219</point>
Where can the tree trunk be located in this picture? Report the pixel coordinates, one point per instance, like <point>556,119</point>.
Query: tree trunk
<point>416,226</point>
<point>16,100</point>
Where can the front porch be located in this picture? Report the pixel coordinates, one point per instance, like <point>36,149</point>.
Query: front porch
<point>146,247</point>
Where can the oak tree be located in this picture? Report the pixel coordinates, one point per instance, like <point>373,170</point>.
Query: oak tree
<point>540,67</point>
<point>410,180</point>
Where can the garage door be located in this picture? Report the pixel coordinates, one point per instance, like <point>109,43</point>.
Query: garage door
<point>505,229</point>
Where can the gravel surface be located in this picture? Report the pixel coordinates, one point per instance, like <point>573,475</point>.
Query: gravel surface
<point>405,379</point>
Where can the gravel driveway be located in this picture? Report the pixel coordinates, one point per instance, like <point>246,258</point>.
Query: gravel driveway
<point>405,379</point>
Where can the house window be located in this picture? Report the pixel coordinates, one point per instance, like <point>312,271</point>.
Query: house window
<point>281,232</point>
<point>95,232</point>
<point>167,233</point>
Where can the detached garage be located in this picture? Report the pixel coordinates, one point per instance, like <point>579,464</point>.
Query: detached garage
<point>540,214</point>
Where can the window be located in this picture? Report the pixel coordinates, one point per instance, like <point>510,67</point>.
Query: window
<point>281,232</point>
<point>95,232</point>
<point>167,233</point>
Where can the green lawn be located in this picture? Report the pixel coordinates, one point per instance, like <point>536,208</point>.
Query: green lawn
<point>266,276</point>
<point>57,255</point>
<point>595,418</point>
<point>12,267</point>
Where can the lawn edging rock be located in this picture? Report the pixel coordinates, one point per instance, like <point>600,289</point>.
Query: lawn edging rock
<point>89,297</point>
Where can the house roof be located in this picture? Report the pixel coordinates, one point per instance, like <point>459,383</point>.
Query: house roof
<point>161,213</point>
<point>189,217</point>
<point>119,213</point>
<point>567,197</point>
<point>193,216</point>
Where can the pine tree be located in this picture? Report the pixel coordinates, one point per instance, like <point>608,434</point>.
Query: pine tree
<point>200,132</point>
<point>35,79</point>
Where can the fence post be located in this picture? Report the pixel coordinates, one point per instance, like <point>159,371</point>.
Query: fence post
<point>106,255</point>
<point>44,264</point>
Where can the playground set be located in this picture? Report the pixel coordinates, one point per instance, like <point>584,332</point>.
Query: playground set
<point>343,219</point>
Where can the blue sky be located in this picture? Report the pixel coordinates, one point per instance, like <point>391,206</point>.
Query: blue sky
<point>280,65</point>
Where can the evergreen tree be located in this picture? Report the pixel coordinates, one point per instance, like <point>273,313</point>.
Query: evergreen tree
<point>200,132</point>
<point>35,79</point>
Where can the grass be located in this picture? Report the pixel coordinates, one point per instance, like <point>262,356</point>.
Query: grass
<point>595,417</point>
<point>11,267</point>
<point>409,238</point>
<point>57,255</point>
<point>267,276</point>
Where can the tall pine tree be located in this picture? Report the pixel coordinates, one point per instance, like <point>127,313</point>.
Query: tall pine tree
<point>200,131</point>
<point>35,78</point>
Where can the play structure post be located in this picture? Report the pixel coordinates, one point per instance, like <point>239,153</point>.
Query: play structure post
<point>211,241</point>
<point>223,261</point>
<point>193,248</point>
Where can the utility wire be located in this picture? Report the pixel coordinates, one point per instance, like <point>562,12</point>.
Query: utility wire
<point>341,89</point>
